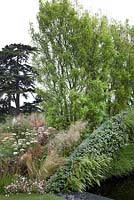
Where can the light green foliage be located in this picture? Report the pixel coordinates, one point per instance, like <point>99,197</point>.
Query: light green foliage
<point>79,174</point>
<point>86,172</point>
<point>122,68</point>
<point>85,64</point>
<point>92,156</point>
<point>74,53</point>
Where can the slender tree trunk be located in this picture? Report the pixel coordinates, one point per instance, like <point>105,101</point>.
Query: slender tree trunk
<point>17,103</point>
<point>9,104</point>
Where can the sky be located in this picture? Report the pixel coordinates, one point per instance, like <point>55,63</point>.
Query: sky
<point>15,16</point>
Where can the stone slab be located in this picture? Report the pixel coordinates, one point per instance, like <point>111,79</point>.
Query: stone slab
<point>83,196</point>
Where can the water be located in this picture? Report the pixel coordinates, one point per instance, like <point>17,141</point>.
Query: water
<point>117,188</point>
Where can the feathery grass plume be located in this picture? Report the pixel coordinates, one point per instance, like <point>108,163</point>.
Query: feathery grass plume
<point>67,140</point>
<point>26,160</point>
<point>52,162</point>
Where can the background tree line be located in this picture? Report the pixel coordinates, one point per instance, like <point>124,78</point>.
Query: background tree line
<point>85,63</point>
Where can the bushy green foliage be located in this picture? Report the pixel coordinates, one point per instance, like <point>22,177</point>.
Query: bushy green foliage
<point>123,163</point>
<point>79,173</point>
<point>85,64</point>
<point>107,139</point>
<point>91,159</point>
<point>129,122</point>
<point>73,49</point>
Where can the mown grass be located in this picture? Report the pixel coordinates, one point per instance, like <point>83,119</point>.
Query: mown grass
<point>123,164</point>
<point>31,197</point>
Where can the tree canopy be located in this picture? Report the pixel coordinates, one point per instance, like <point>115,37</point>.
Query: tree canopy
<point>84,62</point>
<point>16,76</point>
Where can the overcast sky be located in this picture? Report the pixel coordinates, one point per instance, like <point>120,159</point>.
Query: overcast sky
<point>15,16</point>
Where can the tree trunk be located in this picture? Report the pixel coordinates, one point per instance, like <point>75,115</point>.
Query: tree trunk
<point>17,103</point>
<point>9,104</point>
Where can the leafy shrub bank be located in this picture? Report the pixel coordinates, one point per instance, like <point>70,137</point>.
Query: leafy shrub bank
<point>90,162</point>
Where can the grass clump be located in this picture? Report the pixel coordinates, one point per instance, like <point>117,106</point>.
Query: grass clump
<point>5,179</point>
<point>52,162</point>
<point>66,141</point>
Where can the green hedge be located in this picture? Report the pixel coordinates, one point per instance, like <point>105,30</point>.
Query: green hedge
<point>91,161</point>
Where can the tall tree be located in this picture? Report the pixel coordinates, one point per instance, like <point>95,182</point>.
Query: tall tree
<point>16,74</point>
<point>85,63</point>
<point>121,72</point>
<point>74,55</point>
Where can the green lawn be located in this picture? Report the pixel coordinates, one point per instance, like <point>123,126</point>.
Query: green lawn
<point>31,197</point>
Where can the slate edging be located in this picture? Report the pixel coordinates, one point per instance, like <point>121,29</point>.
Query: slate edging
<point>83,196</point>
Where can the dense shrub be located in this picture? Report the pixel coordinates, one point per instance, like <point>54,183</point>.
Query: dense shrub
<point>129,122</point>
<point>76,173</point>
<point>108,138</point>
<point>123,163</point>
<point>100,146</point>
